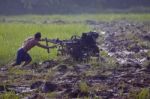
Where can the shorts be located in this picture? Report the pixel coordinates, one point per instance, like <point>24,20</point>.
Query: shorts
<point>22,56</point>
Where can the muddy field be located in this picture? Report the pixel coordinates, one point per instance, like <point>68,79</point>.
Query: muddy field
<point>122,72</point>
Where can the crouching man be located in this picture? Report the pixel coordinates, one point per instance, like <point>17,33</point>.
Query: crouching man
<point>22,53</point>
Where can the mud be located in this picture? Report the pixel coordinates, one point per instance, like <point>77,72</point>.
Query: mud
<point>123,68</point>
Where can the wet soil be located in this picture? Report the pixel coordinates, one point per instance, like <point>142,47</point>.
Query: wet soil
<point>122,69</point>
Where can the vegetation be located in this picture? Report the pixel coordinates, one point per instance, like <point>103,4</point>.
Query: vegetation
<point>83,87</point>
<point>53,19</point>
<point>12,36</point>
<point>72,6</point>
<point>144,94</point>
<point>9,95</point>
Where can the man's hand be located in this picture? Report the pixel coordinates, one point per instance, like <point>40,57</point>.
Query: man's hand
<point>43,39</point>
<point>53,46</point>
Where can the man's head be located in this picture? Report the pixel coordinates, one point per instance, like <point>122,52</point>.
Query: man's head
<point>37,35</point>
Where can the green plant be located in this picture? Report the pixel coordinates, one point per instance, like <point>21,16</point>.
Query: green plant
<point>83,86</point>
<point>18,71</point>
<point>104,54</point>
<point>51,95</point>
<point>112,62</point>
<point>144,94</point>
<point>9,95</point>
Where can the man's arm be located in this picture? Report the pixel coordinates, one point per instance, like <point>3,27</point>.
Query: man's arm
<point>44,46</point>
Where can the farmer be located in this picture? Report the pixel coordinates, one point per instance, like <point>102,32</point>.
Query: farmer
<point>22,53</point>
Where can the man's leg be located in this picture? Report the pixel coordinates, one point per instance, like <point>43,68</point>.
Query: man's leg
<point>14,64</point>
<point>26,63</point>
<point>27,59</point>
<point>18,58</point>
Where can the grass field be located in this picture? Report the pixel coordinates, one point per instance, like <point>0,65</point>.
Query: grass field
<point>12,36</point>
<point>77,18</point>
<point>14,29</point>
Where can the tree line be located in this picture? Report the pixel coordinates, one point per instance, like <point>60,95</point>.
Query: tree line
<point>72,6</point>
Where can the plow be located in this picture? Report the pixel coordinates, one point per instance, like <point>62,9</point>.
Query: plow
<point>79,48</point>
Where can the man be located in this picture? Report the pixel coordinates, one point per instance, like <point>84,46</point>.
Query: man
<point>22,53</point>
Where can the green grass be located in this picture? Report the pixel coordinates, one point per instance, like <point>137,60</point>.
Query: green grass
<point>83,87</point>
<point>9,95</point>
<point>77,18</point>
<point>144,94</point>
<point>12,36</point>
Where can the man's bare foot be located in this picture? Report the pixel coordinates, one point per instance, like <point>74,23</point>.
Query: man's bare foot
<point>13,64</point>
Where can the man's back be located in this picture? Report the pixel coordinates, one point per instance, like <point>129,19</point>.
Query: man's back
<point>29,43</point>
